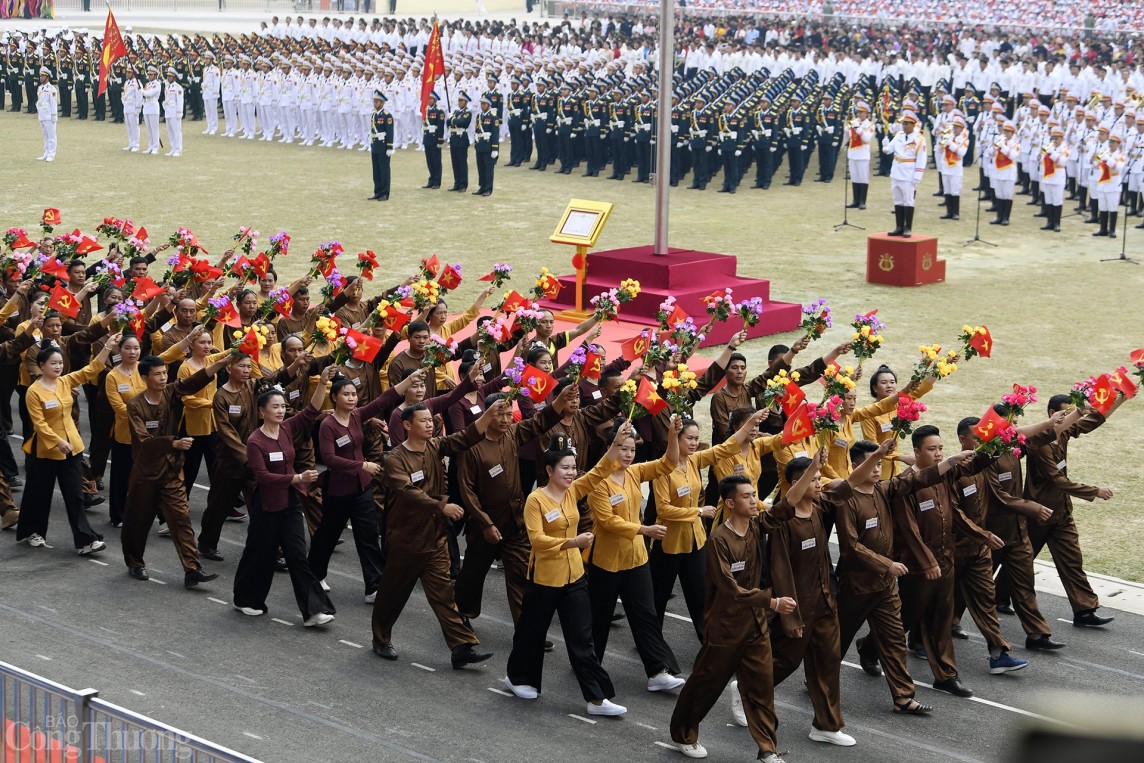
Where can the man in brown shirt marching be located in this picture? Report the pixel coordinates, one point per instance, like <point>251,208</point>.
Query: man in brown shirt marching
<point>410,358</point>
<point>417,506</point>
<point>1047,483</point>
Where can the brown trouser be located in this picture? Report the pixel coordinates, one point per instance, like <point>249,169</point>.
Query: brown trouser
<point>145,500</point>
<point>927,609</point>
<point>887,639</point>
<point>973,590</point>
<point>479,556</point>
<point>1016,562</point>
<point>402,571</point>
<point>750,662</point>
<point>1064,544</point>
<point>817,650</point>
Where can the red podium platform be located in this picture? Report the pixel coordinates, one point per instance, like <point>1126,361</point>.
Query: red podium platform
<point>685,274</point>
<point>897,261</point>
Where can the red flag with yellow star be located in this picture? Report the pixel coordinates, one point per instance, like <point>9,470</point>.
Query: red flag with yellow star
<point>113,50</point>
<point>649,398</point>
<point>434,66</point>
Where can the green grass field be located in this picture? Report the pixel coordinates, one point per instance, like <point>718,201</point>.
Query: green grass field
<point>1057,314</point>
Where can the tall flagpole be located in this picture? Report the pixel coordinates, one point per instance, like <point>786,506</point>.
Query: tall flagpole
<point>665,139</point>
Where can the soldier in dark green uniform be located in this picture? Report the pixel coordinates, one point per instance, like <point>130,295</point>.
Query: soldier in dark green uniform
<point>543,120</point>
<point>595,112</point>
<point>82,71</point>
<point>381,147</point>
<point>65,79</point>
<point>644,125</point>
<point>731,142</point>
<point>519,118</point>
<point>829,126</point>
<point>432,138</point>
<point>487,146</point>
<point>567,119</point>
<point>701,143</point>
<point>458,124</point>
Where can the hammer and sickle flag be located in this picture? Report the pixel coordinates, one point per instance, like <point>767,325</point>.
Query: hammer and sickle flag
<point>1103,394</point>
<point>394,319</point>
<point>635,348</point>
<point>113,50</point>
<point>983,343</point>
<point>593,366</point>
<point>539,384</point>
<point>991,425</point>
<point>54,267</point>
<point>798,425</point>
<point>1122,380</point>
<point>63,301</point>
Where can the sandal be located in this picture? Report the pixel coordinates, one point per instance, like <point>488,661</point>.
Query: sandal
<point>913,707</point>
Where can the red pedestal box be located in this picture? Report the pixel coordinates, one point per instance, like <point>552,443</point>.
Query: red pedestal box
<point>897,261</point>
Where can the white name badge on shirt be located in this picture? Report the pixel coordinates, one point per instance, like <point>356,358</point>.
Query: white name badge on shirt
<point>234,410</point>
<point>295,393</point>
<point>597,395</point>
<point>616,499</point>
<point>357,382</point>
<point>50,404</point>
<point>417,476</point>
<point>925,505</point>
<point>342,441</point>
<point>887,426</point>
<point>487,367</point>
<point>1004,476</point>
<point>166,327</point>
<point>151,424</point>
<point>809,543</point>
<point>496,471</point>
<point>276,455</point>
<point>801,454</point>
<point>739,469</point>
<point>123,387</point>
<point>115,359</point>
<point>840,443</point>
<point>552,516</point>
<point>871,523</point>
<point>1061,464</point>
<point>475,410</point>
<point>683,490</point>
<point>738,566</point>
<point>969,490</point>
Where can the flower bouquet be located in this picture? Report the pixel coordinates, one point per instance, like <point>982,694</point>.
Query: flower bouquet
<point>719,305</point>
<point>1015,402</point>
<point>776,388</point>
<point>499,275</point>
<point>366,263</point>
<point>246,239</point>
<point>816,319</point>
<point>839,381</point>
<point>335,282</point>
<point>826,419</point>
<point>933,363</point>
<point>909,412</point>
<point>677,383</point>
<point>326,331</point>
<point>867,337</point>
<point>627,400</point>
<point>438,352</point>
<point>751,311</point>
<point>545,286</point>
<point>279,244</point>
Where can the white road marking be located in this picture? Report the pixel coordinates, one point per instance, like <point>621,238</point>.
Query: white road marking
<point>283,622</point>
<point>670,746</point>
<point>49,609</point>
<point>252,736</point>
<point>138,693</point>
<point>216,601</point>
<point>176,654</point>
<point>350,643</point>
<point>674,616</point>
<point>1062,620</point>
<point>423,667</point>
<point>44,658</point>
<point>156,580</point>
<point>1139,654</point>
<point>582,718</point>
<point>101,564</point>
<point>644,725</point>
<point>501,692</point>
<point>108,630</point>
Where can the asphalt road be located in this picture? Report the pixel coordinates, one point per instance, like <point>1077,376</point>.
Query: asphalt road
<point>279,692</point>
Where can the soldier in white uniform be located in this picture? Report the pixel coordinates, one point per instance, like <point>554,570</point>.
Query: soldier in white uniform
<point>860,133</point>
<point>953,142</point>
<point>151,92</point>
<point>229,89</point>
<point>909,150</point>
<point>212,86</point>
<point>173,112</point>
<point>47,110</point>
<point>267,87</point>
<point>1007,150</point>
<point>307,103</point>
<point>287,102</point>
<point>132,103</point>
<point>247,95</point>
<point>1054,159</point>
<point>327,93</point>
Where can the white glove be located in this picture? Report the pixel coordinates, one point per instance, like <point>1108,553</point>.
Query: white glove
<point>495,154</point>
<point>738,153</point>
<point>702,133</point>
<point>675,128</point>
<point>625,140</point>
<point>709,148</point>
<point>389,152</point>
<point>830,129</point>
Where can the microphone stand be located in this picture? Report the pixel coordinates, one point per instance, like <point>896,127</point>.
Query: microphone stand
<point>977,227</point>
<point>1123,243</point>
<point>845,210</point>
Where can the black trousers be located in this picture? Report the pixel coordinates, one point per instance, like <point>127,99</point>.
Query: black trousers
<point>526,662</point>
<point>731,165</point>
<point>267,531</point>
<point>541,138</point>
<point>485,164</point>
<point>8,465</point>
<point>204,448</point>
<point>643,160</point>
<point>433,161</point>
<point>380,169</point>
<point>81,101</point>
<point>691,570</point>
<point>36,503</point>
<point>634,589</point>
<point>797,161</point>
<point>699,161</point>
<point>459,158</point>
<point>516,140</point>
<point>121,461</point>
<point>337,510</point>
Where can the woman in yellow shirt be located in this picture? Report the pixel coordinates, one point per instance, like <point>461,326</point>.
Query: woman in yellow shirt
<point>198,413</point>
<point>556,579</point>
<point>618,564</point>
<point>747,459</point>
<point>680,553</point>
<point>884,384</point>
<point>54,451</point>
<point>35,313</point>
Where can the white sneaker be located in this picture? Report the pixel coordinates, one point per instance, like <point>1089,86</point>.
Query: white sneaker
<point>135,149</point>
<point>164,531</point>
<point>41,157</point>
<point>737,706</point>
<point>249,611</point>
<point>35,540</point>
<point>370,598</point>
<point>694,750</point>
<point>320,618</point>
<point>607,707</point>
<point>325,586</point>
<point>664,682</point>
<point>177,154</point>
<point>832,737</point>
<point>522,691</point>
<point>93,548</point>
<point>50,159</point>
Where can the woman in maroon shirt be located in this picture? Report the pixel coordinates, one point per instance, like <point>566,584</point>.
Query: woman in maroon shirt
<point>347,485</point>
<point>276,513</point>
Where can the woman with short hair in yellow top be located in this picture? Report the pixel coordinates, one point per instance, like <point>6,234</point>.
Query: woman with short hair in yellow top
<point>680,553</point>
<point>54,450</point>
<point>884,384</point>
<point>123,382</point>
<point>556,582</point>
<point>618,563</point>
<point>871,419</point>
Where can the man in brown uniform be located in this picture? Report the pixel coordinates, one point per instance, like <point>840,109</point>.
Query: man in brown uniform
<point>927,590</point>
<point>491,493</point>
<point>1047,483</point>
<point>156,416</point>
<point>736,639</point>
<point>410,358</point>
<point>417,506</point>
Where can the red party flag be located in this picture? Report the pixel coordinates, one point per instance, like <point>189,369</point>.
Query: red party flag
<point>113,50</point>
<point>431,266</point>
<point>327,266</point>
<point>793,398</point>
<point>512,302</point>
<point>1137,356</point>
<point>1103,394</point>
<point>146,289</point>
<point>593,366</point>
<point>394,319</point>
<point>991,425</point>
<point>54,267</point>
<point>552,287</point>
<point>434,66</point>
<point>261,264</point>
<point>87,245</point>
<point>284,308</point>
<point>63,301</point>
<point>798,426</point>
<point>538,383</point>
<point>204,271</point>
<point>1122,381</point>
<point>634,348</point>
<point>450,278</point>
<point>23,242</point>
<point>489,277</point>
<point>228,316</point>
<point>983,343</point>
<point>648,397</point>
<point>249,345</point>
<point>51,216</point>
